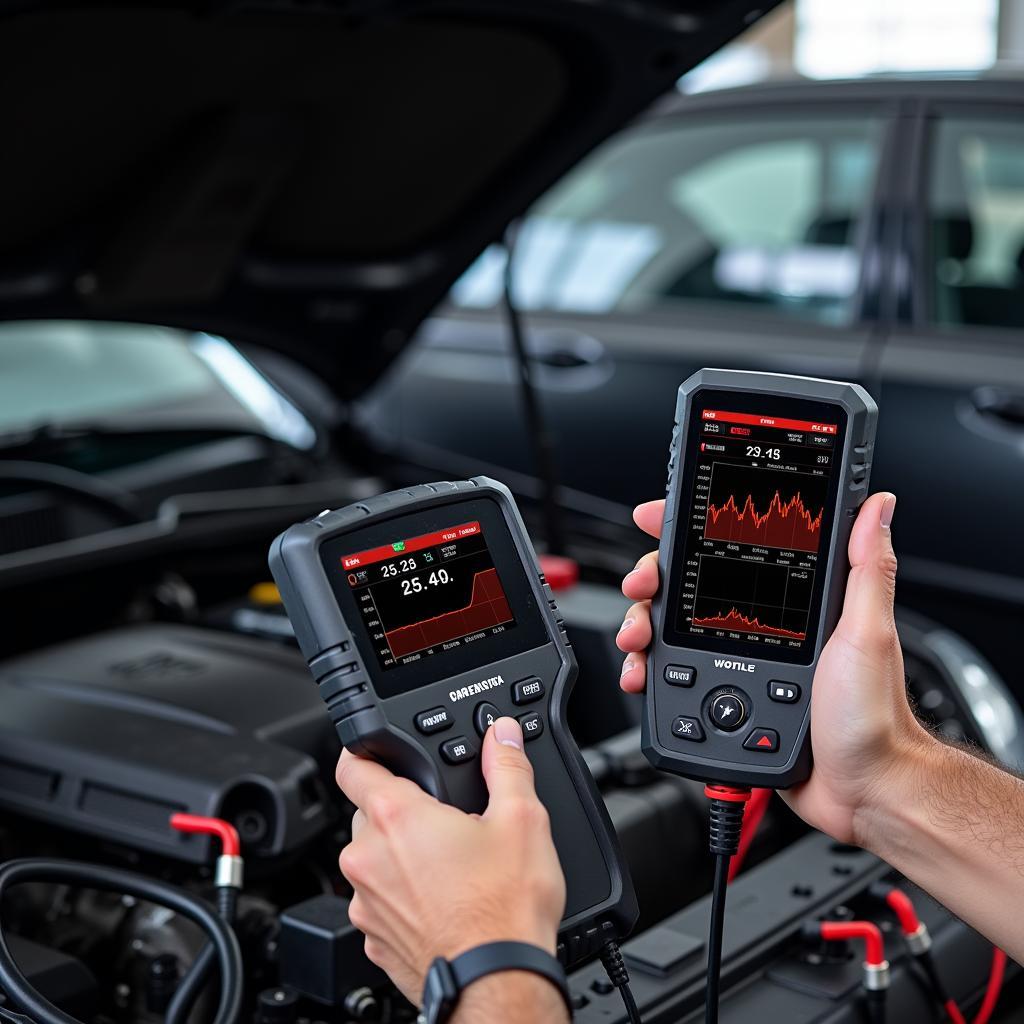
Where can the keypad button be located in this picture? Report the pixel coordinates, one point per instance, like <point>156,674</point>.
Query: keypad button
<point>532,724</point>
<point>680,675</point>
<point>457,750</point>
<point>687,729</point>
<point>434,720</point>
<point>764,741</point>
<point>782,692</point>
<point>526,691</point>
<point>727,712</point>
<point>485,716</point>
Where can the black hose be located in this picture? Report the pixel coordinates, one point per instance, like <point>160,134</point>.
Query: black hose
<point>92,876</point>
<point>198,975</point>
<point>115,501</point>
<point>718,891</point>
<point>875,1002</point>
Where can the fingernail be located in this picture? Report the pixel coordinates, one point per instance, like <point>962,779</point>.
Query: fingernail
<point>627,666</point>
<point>508,733</point>
<point>888,508</point>
<point>626,624</point>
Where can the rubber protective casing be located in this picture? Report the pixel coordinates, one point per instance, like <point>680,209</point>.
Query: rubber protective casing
<point>600,903</point>
<point>721,757</point>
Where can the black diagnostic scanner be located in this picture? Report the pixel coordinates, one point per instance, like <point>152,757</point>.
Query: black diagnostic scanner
<point>423,616</point>
<point>766,473</point>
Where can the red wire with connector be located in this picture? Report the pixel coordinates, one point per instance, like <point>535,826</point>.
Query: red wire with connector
<point>228,877</point>
<point>919,944</point>
<point>868,932</point>
<point>202,825</point>
<point>876,967</point>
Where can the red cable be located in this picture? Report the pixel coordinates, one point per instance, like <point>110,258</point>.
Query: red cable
<point>874,948</point>
<point>899,903</point>
<point>755,811</point>
<point>198,823</point>
<point>953,1012</point>
<point>995,984</point>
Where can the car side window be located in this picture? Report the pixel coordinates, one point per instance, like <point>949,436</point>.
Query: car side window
<point>762,214</point>
<point>975,251</point>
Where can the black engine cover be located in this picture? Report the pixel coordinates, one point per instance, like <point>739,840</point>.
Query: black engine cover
<point>111,734</point>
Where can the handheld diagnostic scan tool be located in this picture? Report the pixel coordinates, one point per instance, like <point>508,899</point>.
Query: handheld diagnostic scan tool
<point>766,474</point>
<point>423,616</point>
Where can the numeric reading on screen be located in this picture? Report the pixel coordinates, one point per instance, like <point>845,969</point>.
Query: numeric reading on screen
<point>755,529</point>
<point>428,594</point>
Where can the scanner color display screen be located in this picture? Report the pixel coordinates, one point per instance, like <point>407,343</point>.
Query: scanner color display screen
<point>758,519</point>
<point>426,595</point>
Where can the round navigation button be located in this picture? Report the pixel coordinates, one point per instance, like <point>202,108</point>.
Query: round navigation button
<point>484,716</point>
<point>727,712</point>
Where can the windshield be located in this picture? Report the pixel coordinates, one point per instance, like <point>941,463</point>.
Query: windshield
<point>73,372</point>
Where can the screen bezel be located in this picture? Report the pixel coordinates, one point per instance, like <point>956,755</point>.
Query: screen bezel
<point>770,405</point>
<point>528,633</point>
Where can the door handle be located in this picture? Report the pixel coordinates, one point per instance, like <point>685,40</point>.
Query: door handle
<point>1005,407</point>
<point>565,350</point>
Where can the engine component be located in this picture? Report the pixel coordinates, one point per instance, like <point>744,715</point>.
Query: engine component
<point>321,952</point>
<point>112,734</point>
<point>63,980</point>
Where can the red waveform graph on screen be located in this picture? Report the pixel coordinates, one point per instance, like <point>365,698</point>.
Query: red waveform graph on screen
<point>739,623</point>
<point>789,524</point>
<point>487,607</point>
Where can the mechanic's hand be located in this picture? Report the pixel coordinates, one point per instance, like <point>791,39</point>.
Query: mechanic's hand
<point>861,722</point>
<point>432,881</point>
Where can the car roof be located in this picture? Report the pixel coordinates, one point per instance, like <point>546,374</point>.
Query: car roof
<point>1000,86</point>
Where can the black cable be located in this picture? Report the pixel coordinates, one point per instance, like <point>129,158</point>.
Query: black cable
<point>117,502</point>
<point>724,829</point>
<point>10,1017</point>
<point>618,975</point>
<point>875,1003</point>
<point>718,891</point>
<point>195,980</point>
<point>92,876</point>
<point>541,440</point>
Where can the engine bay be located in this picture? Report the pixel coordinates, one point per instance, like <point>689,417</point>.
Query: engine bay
<point>104,736</point>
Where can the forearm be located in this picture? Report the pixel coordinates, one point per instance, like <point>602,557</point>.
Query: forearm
<point>513,997</point>
<point>954,825</point>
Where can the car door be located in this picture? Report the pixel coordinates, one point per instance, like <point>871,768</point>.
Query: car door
<point>726,234</point>
<point>952,378</point>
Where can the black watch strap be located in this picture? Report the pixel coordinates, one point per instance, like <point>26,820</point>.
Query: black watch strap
<point>490,958</point>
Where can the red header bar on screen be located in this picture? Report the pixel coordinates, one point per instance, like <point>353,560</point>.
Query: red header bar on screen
<point>406,547</point>
<point>753,420</point>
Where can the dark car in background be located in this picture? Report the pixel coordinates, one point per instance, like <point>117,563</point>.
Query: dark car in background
<point>870,231</point>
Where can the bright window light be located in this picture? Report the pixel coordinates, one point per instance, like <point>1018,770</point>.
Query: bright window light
<point>835,40</point>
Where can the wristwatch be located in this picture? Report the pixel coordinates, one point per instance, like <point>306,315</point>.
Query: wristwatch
<point>447,979</point>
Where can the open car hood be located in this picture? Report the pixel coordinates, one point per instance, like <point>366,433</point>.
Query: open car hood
<point>306,176</point>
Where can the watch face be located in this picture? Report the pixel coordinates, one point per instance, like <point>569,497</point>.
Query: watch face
<point>439,994</point>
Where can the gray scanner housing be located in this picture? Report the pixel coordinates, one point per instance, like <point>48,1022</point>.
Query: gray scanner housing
<point>600,903</point>
<point>721,757</point>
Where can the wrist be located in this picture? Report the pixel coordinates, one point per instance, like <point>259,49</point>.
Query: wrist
<point>514,997</point>
<point>501,929</point>
<point>893,795</point>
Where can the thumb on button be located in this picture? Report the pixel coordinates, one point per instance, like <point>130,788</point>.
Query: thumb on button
<point>506,768</point>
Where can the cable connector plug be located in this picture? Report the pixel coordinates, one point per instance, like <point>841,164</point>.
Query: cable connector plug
<point>726,825</point>
<point>876,967</point>
<point>229,872</point>
<point>618,975</point>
